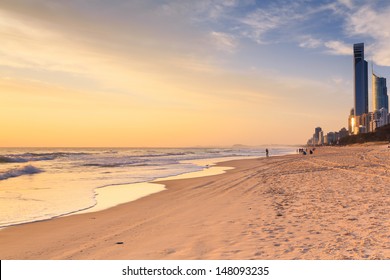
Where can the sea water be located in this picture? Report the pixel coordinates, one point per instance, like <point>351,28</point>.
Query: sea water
<point>42,183</point>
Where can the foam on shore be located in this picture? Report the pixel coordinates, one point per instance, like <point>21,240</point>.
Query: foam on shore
<point>110,196</point>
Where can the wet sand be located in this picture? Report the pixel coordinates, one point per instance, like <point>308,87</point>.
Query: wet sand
<point>334,204</point>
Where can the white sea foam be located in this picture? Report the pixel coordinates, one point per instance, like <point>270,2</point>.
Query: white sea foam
<point>26,170</point>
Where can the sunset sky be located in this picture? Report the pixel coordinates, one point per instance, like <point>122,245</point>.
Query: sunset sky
<point>169,73</point>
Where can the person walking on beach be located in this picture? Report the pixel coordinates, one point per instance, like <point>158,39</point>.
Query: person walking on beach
<point>266,153</point>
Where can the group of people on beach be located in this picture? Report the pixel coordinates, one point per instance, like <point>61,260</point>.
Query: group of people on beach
<point>303,151</point>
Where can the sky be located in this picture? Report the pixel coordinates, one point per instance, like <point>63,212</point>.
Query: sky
<point>179,73</point>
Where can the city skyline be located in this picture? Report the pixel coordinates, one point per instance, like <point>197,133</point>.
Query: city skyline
<point>360,119</point>
<point>363,120</point>
<point>181,73</point>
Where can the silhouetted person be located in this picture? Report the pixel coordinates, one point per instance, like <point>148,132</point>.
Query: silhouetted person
<point>266,153</point>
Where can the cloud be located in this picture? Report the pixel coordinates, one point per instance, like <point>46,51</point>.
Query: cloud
<point>371,23</point>
<point>347,3</point>
<point>74,41</point>
<point>203,10</point>
<point>224,42</point>
<point>338,48</point>
<point>25,45</point>
<point>257,24</point>
<point>283,21</point>
<point>366,23</point>
<point>337,80</point>
<point>309,42</point>
<point>333,47</point>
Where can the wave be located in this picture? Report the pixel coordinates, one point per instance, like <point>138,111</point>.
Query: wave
<point>23,158</point>
<point>118,164</point>
<point>16,172</point>
<point>104,164</point>
<point>8,159</point>
<point>26,157</point>
<point>55,154</point>
<point>166,154</point>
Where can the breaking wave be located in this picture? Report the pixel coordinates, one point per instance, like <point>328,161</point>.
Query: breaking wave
<point>55,154</point>
<point>9,159</point>
<point>27,157</point>
<point>16,172</point>
<point>119,164</point>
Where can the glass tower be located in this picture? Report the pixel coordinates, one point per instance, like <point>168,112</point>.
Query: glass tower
<point>361,78</point>
<point>379,93</point>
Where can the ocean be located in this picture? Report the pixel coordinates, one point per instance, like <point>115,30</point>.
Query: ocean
<point>42,183</point>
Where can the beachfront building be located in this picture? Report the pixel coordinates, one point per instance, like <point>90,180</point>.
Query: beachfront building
<point>373,121</point>
<point>317,131</point>
<point>331,138</point>
<point>321,138</point>
<point>343,132</point>
<point>380,98</point>
<point>317,138</point>
<point>360,123</point>
<point>360,80</point>
<point>382,114</point>
<point>364,122</point>
<point>377,119</point>
<point>351,122</point>
<point>362,129</point>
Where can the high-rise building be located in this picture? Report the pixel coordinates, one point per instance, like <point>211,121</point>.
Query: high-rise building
<point>351,121</point>
<point>382,112</point>
<point>331,138</point>
<point>321,138</point>
<point>361,80</point>
<point>317,131</point>
<point>379,93</point>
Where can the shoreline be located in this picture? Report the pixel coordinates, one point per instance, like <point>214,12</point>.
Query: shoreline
<point>322,206</point>
<point>112,195</point>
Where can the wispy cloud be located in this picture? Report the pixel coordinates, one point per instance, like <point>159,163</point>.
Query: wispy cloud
<point>372,23</point>
<point>281,21</point>
<point>347,3</point>
<point>203,10</point>
<point>333,47</point>
<point>338,48</point>
<point>32,39</point>
<point>307,41</point>
<point>224,42</point>
<point>22,47</point>
<point>257,24</point>
<point>366,22</point>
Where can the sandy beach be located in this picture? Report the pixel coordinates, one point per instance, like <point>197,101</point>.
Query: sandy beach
<point>334,204</point>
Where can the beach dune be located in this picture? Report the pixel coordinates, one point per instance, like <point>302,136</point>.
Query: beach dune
<point>334,204</point>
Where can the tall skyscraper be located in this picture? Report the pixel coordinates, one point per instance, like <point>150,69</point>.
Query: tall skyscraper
<point>317,131</point>
<point>380,98</point>
<point>361,80</point>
